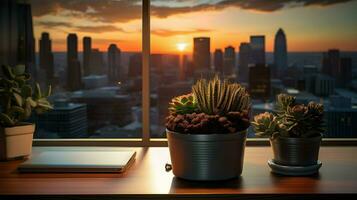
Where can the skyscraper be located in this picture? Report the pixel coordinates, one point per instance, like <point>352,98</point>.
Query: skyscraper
<point>218,61</point>
<point>244,60</point>
<point>345,72</point>
<point>17,42</point>
<point>331,62</point>
<point>74,77</point>
<point>97,66</point>
<point>201,55</point>
<point>87,49</point>
<point>46,56</point>
<point>280,53</point>
<point>257,45</point>
<point>135,66</point>
<point>229,60</point>
<point>259,81</point>
<point>114,58</point>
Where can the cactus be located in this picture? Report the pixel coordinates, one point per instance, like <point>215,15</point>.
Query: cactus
<point>18,98</point>
<point>215,107</point>
<point>183,104</point>
<point>220,97</point>
<point>291,119</point>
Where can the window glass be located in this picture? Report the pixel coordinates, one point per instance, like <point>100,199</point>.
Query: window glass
<point>90,53</point>
<point>306,49</point>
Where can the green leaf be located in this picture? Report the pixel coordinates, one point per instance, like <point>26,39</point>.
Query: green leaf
<point>49,91</point>
<point>32,103</point>
<point>5,120</point>
<point>19,70</point>
<point>26,91</point>
<point>18,98</point>
<point>16,110</point>
<point>28,108</point>
<point>37,94</point>
<point>7,71</point>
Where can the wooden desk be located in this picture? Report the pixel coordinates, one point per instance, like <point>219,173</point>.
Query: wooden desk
<point>147,178</point>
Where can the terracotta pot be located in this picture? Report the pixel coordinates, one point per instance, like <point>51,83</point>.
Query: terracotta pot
<point>296,151</point>
<point>16,141</point>
<point>207,157</point>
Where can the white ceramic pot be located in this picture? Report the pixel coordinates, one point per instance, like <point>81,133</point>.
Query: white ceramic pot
<point>16,141</point>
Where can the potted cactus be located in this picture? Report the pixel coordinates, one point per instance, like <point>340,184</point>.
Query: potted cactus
<point>207,129</point>
<point>295,132</point>
<point>18,99</point>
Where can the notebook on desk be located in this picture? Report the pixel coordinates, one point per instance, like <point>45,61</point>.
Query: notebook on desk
<point>79,161</point>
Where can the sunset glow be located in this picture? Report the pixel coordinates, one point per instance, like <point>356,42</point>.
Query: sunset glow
<point>181,46</point>
<point>310,27</point>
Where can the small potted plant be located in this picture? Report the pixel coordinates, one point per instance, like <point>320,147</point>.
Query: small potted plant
<point>295,132</point>
<point>207,129</point>
<point>18,99</point>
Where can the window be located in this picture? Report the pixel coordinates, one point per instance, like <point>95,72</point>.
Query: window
<point>306,49</point>
<point>91,56</point>
<point>91,53</point>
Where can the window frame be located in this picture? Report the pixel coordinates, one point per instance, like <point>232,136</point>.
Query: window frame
<point>146,141</point>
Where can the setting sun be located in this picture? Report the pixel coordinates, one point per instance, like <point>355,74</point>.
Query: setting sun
<point>181,46</point>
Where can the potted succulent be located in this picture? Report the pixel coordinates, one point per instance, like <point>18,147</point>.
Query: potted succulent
<point>207,129</point>
<point>295,132</point>
<point>18,99</point>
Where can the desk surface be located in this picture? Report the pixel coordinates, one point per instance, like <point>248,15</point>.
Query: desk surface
<point>147,176</point>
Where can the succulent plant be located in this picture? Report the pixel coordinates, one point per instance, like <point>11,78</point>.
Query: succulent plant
<point>18,99</point>
<point>283,101</point>
<point>220,97</point>
<point>218,107</point>
<point>291,119</point>
<point>183,104</point>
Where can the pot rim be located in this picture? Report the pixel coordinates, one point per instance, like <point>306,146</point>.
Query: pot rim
<point>292,139</point>
<point>209,137</point>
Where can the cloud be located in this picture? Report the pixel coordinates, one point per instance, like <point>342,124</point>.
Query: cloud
<point>98,29</point>
<point>80,28</point>
<point>168,33</point>
<point>126,10</point>
<point>52,24</point>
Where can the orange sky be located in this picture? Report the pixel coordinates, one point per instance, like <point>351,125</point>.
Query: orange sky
<point>307,28</point>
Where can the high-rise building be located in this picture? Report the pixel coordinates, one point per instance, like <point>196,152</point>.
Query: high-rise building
<point>74,74</point>
<point>114,59</point>
<point>338,68</point>
<point>229,60</point>
<point>97,63</point>
<point>67,120</point>
<point>259,82</point>
<point>105,107</point>
<point>324,85</point>
<point>345,73</point>
<point>135,66</point>
<point>46,56</point>
<point>257,45</point>
<point>218,61</point>
<point>244,60</point>
<point>280,53</point>
<point>201,55</point>
<point>17,42</point>
<point>87,50</point>
<point>331,62</point>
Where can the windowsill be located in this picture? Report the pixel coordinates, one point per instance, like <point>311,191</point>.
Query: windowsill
<point>162,142</point>
<point>148,178</point>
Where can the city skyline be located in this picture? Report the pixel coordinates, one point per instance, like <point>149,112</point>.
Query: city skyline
<point>176,22</point>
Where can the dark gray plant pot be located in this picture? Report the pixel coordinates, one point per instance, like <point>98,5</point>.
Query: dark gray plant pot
<point>296,151</point>
<point>207,157</point>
